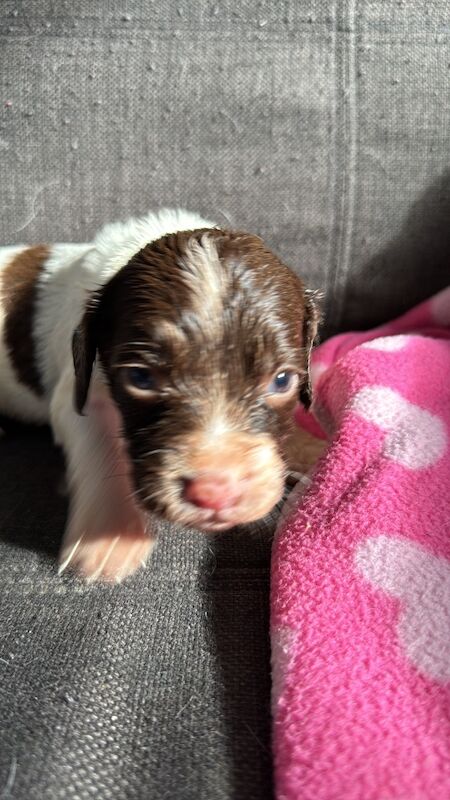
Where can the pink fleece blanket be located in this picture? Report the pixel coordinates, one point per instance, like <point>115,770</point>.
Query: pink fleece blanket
<point>361,575</point>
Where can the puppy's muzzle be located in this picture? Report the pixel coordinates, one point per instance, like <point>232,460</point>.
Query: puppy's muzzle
<point>236,479</point>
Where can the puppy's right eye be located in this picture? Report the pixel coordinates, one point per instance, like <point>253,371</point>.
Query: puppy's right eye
<point>140,380</point>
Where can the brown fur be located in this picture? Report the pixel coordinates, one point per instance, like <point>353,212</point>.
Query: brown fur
<point>214,324</point>
<point>19,287</point>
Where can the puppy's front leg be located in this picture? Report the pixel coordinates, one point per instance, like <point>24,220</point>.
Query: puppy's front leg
<point>107,535</point>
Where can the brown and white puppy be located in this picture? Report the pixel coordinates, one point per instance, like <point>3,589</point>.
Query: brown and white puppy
<point>168,357</point>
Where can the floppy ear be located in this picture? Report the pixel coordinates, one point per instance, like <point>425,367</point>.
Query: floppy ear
<point>310,325</point>
<point>84,348</point>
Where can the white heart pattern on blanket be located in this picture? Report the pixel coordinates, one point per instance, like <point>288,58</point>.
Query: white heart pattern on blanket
<point>415,438</point>
<point>283,643</point>
<point>421,581</point>
<point>387,344</point>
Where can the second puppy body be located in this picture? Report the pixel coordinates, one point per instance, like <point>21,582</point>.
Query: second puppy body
<point>168,357</point>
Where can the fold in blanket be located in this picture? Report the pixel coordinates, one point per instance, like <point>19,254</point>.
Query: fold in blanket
<point>360,604</point>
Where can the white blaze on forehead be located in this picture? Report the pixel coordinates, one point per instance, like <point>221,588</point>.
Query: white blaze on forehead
<point>218,426</point>
<point>207,278</point>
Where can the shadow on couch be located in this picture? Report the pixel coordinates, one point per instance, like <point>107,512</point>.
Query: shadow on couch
<point>32,472</point>
<point>413,266</point>
<point>238,585</point>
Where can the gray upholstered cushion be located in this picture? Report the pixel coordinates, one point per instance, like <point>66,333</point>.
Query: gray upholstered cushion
<point>156,688</point>
<point>322,126</point>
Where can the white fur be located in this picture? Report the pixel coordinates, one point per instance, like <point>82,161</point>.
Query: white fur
<point>208,280</point>
<point>95,464</point>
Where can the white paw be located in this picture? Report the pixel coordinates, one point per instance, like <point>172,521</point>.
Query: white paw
<point>106,555</point>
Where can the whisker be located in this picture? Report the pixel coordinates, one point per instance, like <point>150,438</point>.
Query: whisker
<point>151,453</point>
<point>134,495</point>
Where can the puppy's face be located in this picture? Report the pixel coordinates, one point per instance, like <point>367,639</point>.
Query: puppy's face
<point>204,338</point>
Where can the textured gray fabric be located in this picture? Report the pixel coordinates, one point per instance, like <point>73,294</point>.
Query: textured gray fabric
<point>324,127</point>
<point>158,688</point>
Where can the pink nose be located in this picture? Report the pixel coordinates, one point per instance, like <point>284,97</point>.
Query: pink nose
<point>216,491</point>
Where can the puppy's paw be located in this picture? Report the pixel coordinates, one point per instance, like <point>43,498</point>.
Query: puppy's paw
<point>109,556</point>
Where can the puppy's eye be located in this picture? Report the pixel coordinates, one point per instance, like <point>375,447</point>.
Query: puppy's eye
<point>282,388</point>
<point>140,379</point>
<point>282,382</point>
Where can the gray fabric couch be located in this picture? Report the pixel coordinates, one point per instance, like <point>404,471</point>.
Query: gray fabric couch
<point>324,127</point>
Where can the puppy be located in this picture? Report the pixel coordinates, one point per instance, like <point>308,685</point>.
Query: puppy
<point>168,357</point>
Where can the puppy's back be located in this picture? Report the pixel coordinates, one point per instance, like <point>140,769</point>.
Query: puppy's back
<point>21,393</point>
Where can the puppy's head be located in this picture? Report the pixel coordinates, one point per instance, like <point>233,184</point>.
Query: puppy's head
<point>204,337</point>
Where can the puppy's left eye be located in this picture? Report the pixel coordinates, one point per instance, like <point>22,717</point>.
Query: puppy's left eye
<point>140,380</point>
<point>282,383</point>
